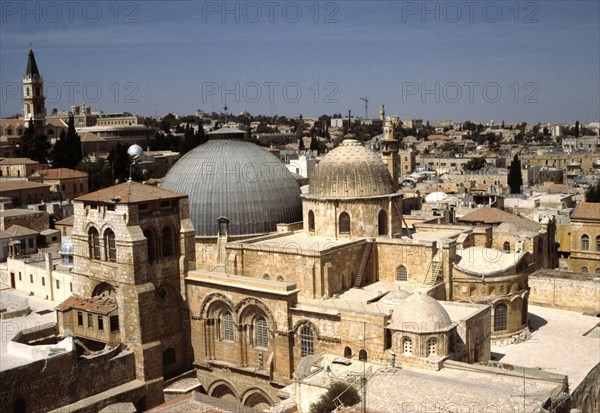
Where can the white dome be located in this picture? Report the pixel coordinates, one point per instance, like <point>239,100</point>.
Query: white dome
<point>435,197</point>
<point>394,297</point>
<point>420,313</point>
<point>135,151</point>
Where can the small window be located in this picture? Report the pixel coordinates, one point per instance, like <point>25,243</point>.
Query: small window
<point>362,355</point>
<point>306,341</point>
<point>20,278</point>
<point>43,281</point>
<point>407,346</point>
<point>150,241</point>
<point>114,323</point>
<point>311,220</point>
<point>58,284</point>
<point>79,318</point>
<point>110,245</point>
<point>344,223</point>
<point>401,273</point>
<point>228,332</point>
<point>598,243</point>
<point>31,278</point>
<point>100,323</point>
<point>261,332</point>
<point>506,246</point>
<point>584,270</point>
<point>382,222</point>
<point>71,287</point>
<point>431,347</point>
<point>90,320</point>
<point>585,242</point>
<point>94,243</point>
<point>500,317</point>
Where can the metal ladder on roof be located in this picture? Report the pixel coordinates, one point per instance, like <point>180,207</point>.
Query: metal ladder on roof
<point>434,269</point>
<point>363,263</point>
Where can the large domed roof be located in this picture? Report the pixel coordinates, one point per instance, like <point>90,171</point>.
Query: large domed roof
<point>350,171</point>
<point>420,313</point>
<point>237,180</point>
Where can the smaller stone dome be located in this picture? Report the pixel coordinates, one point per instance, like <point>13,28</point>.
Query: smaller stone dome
<point>351,171</point>
<point>420,313</point>
<point>596,163</point>
<point>436,197</point>
<point>394,297</point>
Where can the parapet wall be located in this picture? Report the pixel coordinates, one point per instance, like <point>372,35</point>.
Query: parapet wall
<point>565,290</point>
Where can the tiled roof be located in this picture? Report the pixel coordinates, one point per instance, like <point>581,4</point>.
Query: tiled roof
<point>18,161</point>
<point>62,173</point>
<point>487,215</point>
<point>16,185</point>
<point>130,193</point>
<point>587,210</point>
<point>97,305</point>
<point>66,221</point>
<point>17,231</point>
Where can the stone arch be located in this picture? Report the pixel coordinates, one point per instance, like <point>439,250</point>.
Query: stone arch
<point>223,389</point>
<point>362,354</point>
<point>93,238</point>
<point>500,316</point>
<point>514,288</point>
<point>265,276</point>
<point>515,310</point>
<point>280,278</point>
<point>151,242</point>
<point>382,222</point>
<point>247,310</point>
<point>347,352</point>
<point>586,403</point>
<point>472,291</point>
<point>344,223</point>
<point>104,289</point>
<point>212,301</point>
<point>311,220</point>
<point>110,245</point>
<point>506,246</point>
<point>256,398</point>
<point>401,273</point>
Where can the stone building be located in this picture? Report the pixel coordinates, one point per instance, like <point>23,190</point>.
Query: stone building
<point>64,183</point>
<point>585,239</point>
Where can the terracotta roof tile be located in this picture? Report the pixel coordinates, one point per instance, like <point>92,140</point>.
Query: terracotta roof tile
<point>66,221</point>
<point>97,305</point>
<point>487,215</point>
<point>587,210</point>
<point>62,173</point>
<point>16,185</point>
<point>16,231</point>
<point>131,193</point>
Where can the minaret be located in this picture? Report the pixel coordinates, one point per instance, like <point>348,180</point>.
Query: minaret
<point>382,113</point>
<point>389,150</point>
<point>34,107</point>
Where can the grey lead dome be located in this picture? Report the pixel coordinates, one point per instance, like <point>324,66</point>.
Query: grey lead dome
<point>238,180</point>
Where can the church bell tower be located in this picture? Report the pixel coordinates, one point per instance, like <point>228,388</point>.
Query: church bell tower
<point>34,107</point>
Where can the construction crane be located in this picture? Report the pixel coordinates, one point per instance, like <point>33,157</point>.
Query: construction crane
<point>366,107</point>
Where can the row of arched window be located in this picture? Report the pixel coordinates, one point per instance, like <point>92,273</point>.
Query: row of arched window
<point>585,270</point>
<point>344,222</point>
<point>163,246</point>
<point>507,248</point>
<point>431,348</point>
<point>110,246</point>
<point>585,243</point>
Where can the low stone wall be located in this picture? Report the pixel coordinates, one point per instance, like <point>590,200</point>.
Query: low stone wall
<point>565,290</point>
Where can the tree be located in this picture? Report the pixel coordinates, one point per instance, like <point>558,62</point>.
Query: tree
<point>119,160</point>
<point>474,164</point>
<point>593,193</point>
<point>67,149</point>
<point>33,145</point>
<point>340,392</point>
<point>99,173</point>
<point>515,178</point>
<point>577,129</point>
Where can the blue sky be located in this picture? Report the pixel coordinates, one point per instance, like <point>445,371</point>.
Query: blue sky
<point>481,60</point>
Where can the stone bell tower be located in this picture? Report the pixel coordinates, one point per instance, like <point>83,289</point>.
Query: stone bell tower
<point>389,150</point>
<point>34,107</point>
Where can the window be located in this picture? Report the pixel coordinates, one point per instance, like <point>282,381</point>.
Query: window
<point>100,323</point>
<point>344,223</point>
<point>64,231</point>
<point>167,242</point>
<point>431,347</point>
<point>79,318</point>
<point>110,246</point>
<point>31,278</point>
<point>347,352</point>
<point>584,270</point>
<point>401,273</point>
<point>598,271</point>
<point>598,243</point>
<point>261,332</point>
<point>382,222</point>
<point>407,346</point>
<point>506,247</point>
<point>362,355</point>
<point>43,281</point>
<point>114,323</point>
<point>57,284</point>
<point>585,242</point>
<point>307,345</point>
<point>94,243</point>
<point>71,287</point>
<point>500,315</point>
<point>149,234</point>
<point>20,279</point>
<point>227,321</point>
<point>311,220</point>
<point>90,320</point>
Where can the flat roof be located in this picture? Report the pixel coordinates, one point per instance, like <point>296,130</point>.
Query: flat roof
<point>557,344</point>
<point>301,241</point>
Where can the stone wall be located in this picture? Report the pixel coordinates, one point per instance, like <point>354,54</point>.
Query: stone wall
<point>413,255</point>
<point>565,290</point>
<point>63,379</point>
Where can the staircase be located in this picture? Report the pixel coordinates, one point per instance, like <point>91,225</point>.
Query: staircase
<point>363,263</point>
<point>434,270</point>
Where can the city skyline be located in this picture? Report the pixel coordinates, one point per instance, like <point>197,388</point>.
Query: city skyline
<point>479,61</point>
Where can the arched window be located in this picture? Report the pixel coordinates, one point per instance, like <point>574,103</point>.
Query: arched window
<point>344,223</point>
<point>347,352</point>
<point>167,242</point>
<point>584,270</point>
<point>362,354</point>
<point>598,243</point>
<point>151,244</point>
<point>585,242</point>
<point>407,346</point>
<point>280,279</point>
<point>266,277</point>
<point>311,220</point>
<point>169,356</point>
<point>598,271</point>
<point>227,321</point>
<point>500,315</point>
<point>94,243</point>
<point>110,246</point>
<point>382,222</point>
<point>431,347</point>
<point>506,246</point>
<point>261,332</point>
<point>401,273</point>
<point>307,344</point>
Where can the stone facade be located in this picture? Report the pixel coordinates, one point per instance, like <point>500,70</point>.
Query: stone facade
<point>585,239</point>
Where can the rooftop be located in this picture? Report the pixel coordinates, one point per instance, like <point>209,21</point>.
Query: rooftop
<point>130,193</point>
<point>18,185</point>
<point>297,241</point>
<point>587,210</point>
<point>495,216</point>
<point>486,261</point>
<point>61,173</point>
<point>18,161</point>
<point>97,305</point>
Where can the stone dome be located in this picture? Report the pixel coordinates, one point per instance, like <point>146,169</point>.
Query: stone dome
<point>351,171</point>
<point>394,297</point>
<point>420,313</point>
<point>237,180</point>
<point>596,163</point>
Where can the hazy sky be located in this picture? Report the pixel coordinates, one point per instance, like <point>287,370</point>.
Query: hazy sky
<point>464,60</point>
